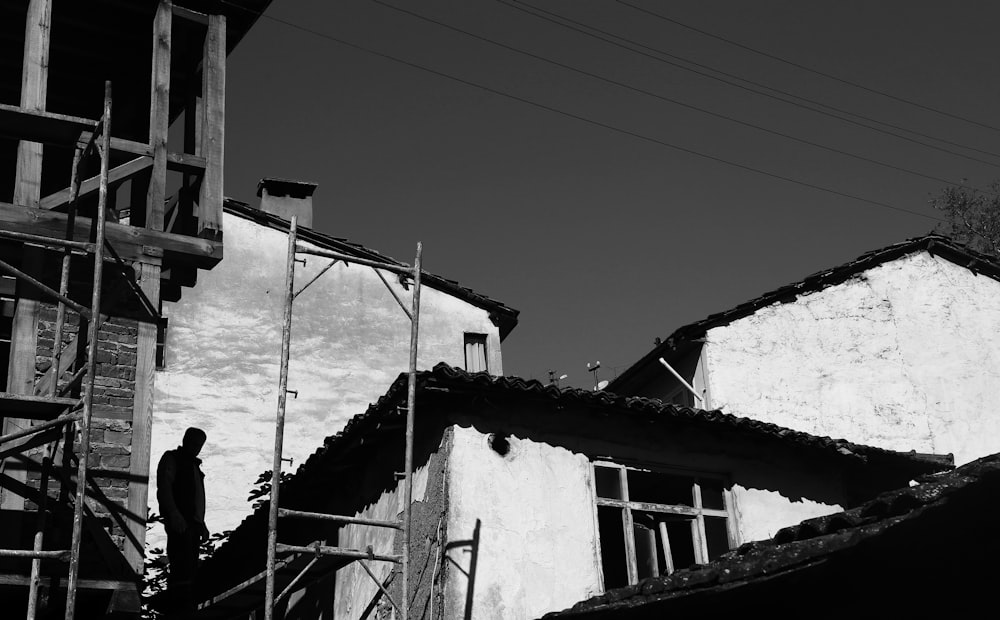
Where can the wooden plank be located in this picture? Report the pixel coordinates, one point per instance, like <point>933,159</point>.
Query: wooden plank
<point>27,191</point>
<point>117,174</point>
<point>59,583</point>
<point>20,123</point>
<point>213,129</point>
<point>142,418</point>
<point>159,114</point>
<point>190,15</point>
<point>131,243</point>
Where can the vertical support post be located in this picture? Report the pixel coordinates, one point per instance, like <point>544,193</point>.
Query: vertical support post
<point>213,128</point>
<point>36,563</point>
<point>27,192</point>
<point>142,418</point>
<point>92,329</point>
<point>411,411</point>
<point>279,426</point>
<point>159,114</point>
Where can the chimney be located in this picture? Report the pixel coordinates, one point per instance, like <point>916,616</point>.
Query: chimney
<point>285,198</point>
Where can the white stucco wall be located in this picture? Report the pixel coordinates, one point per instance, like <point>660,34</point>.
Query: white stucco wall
<point>538,548</point>
<point>905,356</point>
<point>350,340</point>
<point>537,542</point>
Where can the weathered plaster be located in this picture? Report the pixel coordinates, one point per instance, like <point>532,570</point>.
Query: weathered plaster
<point>350,340</point>
<point>537,547</point>
<point>905,356</point>
<point>537,543</point>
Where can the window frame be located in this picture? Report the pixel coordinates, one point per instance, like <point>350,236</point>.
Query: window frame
<point>697,513</point>
<point>476,338</point>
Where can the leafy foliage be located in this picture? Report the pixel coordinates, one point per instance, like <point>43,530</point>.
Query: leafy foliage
<point>973,216</point>
<point>262,487</point>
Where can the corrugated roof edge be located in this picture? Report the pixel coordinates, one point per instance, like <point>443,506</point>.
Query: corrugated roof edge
<point>934,243</point>
<point>503,316</point>
<point>795,546</point>
<point>444,380</point>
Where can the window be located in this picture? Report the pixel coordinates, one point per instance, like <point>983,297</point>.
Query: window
<point>652,523</point>
<point>475,353</point>
<point>161,344</point>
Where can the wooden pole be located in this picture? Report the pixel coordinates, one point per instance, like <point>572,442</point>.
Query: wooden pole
<point>27,193</point>
<point>279,427</point>
<point>213,128</point>
<point>159,115</point>
<point>92,327</point>
<point>411,406</point>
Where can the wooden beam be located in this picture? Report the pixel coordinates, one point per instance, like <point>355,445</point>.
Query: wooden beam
<point>117,174</point>
<point>213,129</point>
<point>159,114</point>
<point>27,191</point>
<point>142,418</point>
<point>131,243</point>
<point>190,15</point>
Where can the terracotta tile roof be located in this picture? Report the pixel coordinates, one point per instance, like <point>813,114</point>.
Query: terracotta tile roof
<point>502,315</point>
<point>811,543</point>
<point>443,381</point>
<point>938,245</point>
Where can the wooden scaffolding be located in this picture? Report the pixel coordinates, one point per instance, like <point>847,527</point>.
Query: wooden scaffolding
<point>62,410</point>
<point>282,559</point>
<point>118,231</point>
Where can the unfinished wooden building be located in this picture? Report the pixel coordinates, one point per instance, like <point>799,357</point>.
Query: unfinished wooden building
<point>102,218</point>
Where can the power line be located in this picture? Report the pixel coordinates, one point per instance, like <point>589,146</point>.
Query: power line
<point>792,63</point>
<point>596,123</point>
<point>662,97</point>
<point>555,19</point>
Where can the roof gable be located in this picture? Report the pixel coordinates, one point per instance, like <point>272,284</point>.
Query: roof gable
<point>937,245</point>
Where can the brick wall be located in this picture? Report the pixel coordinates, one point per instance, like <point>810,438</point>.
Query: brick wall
<point>111,424</point>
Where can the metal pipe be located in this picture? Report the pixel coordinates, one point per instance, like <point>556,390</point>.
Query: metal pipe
<point>50,242</point>
<point>88,404</point>
<point>17,273</point>
<point>302,573</point>
<point>316,277</point>
<point>403,269</point>
<point>37,428</point>
<point>411,406</point>
<point>285,512</point>
<point>681,379</point>
<point>399,301</point>
<point>379,584</point>
<point>338,552</point>
<point>279,427</point>
<point>62,555</point>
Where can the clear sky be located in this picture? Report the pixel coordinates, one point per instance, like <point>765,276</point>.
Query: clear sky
<point>606,213</point>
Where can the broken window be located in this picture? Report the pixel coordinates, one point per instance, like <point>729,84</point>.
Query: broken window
<point>475,353</point>
<point>652,522</point>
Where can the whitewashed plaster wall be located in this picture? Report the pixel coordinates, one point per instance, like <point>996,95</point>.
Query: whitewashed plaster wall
<point>350,340</point>
<point>537,537</point>
<point>538,546</point>
<point>904,356</point>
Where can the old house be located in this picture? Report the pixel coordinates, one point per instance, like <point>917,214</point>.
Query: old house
<point>528,499</point>
<point>899,348</point>
<point>927,550</point>
<point>220,360</point>
<point>93,238</point>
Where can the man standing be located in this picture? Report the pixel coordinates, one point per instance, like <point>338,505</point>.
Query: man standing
<point>180,491</point>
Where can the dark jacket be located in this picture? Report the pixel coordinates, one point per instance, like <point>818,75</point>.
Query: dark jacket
<point>180,488</point>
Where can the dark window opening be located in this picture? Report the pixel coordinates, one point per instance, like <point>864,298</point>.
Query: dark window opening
<point>652,523</point>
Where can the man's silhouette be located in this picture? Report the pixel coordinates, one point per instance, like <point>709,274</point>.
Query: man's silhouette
<point>180,491</point>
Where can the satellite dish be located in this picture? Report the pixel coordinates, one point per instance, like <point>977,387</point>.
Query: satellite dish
<point>602,385</point>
